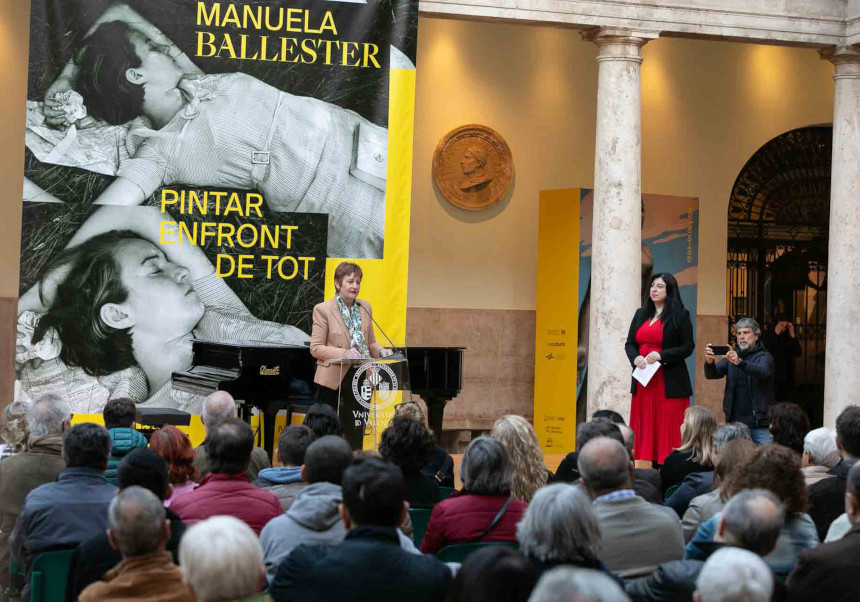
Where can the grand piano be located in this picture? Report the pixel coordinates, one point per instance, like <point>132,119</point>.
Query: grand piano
<point>280,377</point>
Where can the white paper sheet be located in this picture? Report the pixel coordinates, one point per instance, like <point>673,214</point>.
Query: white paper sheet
<point>644,375</point>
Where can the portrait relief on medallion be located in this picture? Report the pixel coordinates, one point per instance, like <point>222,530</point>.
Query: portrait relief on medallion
<point>472,167</point>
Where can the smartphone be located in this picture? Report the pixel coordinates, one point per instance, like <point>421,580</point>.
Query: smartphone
<point>720,349</point>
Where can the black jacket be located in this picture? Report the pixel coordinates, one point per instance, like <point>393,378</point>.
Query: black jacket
<point>831,568</point>
<point>827,498</point>
<point>758,368</point>
<point>677,346</point>
<point>368,565</point>
<point>441,467</point>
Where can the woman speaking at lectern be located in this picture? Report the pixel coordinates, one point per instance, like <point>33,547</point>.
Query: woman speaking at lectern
<point>343,329</point>
<point>661,332</point>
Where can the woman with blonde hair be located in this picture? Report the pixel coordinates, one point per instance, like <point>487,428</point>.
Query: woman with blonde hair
<point>15,429</point>
<point>694,455</point>
<point>526,459</point>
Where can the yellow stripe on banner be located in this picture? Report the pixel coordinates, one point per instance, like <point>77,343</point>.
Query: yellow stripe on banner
<point>556,320</point>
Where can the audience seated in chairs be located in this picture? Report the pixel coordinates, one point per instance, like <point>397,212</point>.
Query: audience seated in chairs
<point>560,528</point>
<point>369,564</point>
<point>484,510</point>
<point>788,425</point>
<point>635,536</point>
<point>493,574</point>
<point>409,445</point>
<point>74,508</point>
<point>139,530</point>
<point>441,466</point>
<point>820,455</point>
<point>734,575</point>
<point>218,407</point>
<point>322,419</point>
<point>221,559</point>
<point>94,557</point>
<point>119,416</point>
<point>314,516</point>
<point>175,447</point>
<point>776,469</point>
<point>47,418</point>
<point>525,456</point>
<point>226,489</point>
<point>566,584</point>
<point>694,455</point>
<point>285,481</point>
<point>646,481</point>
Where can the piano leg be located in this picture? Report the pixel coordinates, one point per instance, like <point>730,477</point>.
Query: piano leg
<point>435,413</point>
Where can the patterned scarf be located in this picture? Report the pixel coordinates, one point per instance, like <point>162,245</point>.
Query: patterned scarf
<point>353,323</point>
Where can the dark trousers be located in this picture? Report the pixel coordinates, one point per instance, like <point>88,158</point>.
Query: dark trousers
<point>352,432</point>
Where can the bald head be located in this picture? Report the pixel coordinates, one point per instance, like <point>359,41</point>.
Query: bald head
<point>753,520</point>
<point>218,407</point>
<point>137,523</point>
<point>605,466</point>
<point>629,439</point>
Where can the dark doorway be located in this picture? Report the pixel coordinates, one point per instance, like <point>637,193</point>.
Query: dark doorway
<point>777,253</point>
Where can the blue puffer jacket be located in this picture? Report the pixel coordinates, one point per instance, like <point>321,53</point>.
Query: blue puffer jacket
<point>122,440</point>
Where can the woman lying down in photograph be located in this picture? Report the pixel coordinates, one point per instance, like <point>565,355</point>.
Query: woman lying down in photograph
<point>115,314</point>
<point>224,130</point>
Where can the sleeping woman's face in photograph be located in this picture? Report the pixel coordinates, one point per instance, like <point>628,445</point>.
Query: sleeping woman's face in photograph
<point>157,68</point>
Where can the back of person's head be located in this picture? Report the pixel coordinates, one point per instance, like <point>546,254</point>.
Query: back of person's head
<point>217,407</point>
<point>15,430</point>
<point>697,433</point>
<point>819,448</point>
<point>566,584</point>
<point>852,495</point>
<point>610,415</point>
<point>136,519</point>
<point>47,415</point>
<point>560,525</point>
<point>587,431</point>
<point>175,447</point>
<point>492,574</point>
<point>119,413</point>
<point>729,432</point>
<point>848,431</point>
<point>221,559</point>
<point>326,460</point>
<point>605,466</point>
<point>525,456</point>
<point>753,520</point>
<point>143,467</point>
<point>777,469</point>
<point>86,445</point>
<point>485,468</point>
<point>629,438</point>
<point>731,457</point>
<point>373,493</point>
<point>293,443</point>
<point>229,446</point>
<point>322,420</point>
<point>788,425</point>
<point>408,444</point>
<point>410,409</point>
<point>734,575</point>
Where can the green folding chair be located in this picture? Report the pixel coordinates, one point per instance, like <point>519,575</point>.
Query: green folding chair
<point>459,552</point>
<point>49,576</point>
<point>446,492</point>
<point>669,492</point>
<point>420,517</point>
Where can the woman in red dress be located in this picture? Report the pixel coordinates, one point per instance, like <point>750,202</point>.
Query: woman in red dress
<point>662,332</point>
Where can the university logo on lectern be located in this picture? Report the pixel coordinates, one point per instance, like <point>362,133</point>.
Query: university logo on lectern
<point>374,380</point>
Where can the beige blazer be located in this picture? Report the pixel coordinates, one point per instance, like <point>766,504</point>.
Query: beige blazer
<point>330,340</point>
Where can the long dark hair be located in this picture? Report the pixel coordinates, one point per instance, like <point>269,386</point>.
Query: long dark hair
<point>673,306</point>
<point>93,279</point>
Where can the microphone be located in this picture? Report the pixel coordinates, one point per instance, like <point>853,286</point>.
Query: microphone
<point>372,319</point>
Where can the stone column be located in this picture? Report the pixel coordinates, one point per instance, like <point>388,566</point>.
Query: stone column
<point>841,370</point>
<point>617,225</point>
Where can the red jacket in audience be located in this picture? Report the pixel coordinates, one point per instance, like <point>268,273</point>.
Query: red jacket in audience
<point>464,516</point>
<point>229,494</point>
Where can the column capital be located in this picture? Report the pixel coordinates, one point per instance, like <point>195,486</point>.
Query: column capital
<point>616,44</point>
<point>845,57</point>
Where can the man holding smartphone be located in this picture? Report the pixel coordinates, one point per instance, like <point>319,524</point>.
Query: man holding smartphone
<point>749,379</point>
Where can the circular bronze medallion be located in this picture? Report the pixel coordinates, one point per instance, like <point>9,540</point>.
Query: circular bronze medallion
<point>472,167</point>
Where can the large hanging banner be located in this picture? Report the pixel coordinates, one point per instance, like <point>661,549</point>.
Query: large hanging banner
<point>195,169</point>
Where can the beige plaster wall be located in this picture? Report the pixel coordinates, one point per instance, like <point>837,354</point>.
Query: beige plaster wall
<point>707,107</point>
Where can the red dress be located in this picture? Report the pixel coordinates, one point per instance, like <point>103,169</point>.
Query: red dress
<point>655,419</point>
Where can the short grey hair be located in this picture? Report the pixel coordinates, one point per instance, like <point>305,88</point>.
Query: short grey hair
<point>218,407</point>
<point>749,323</point>
<point>753,525</point>
<point>728,432</point>
<point>821,445</point>
<point>605,469</point>
<point>734,575</point>
<point>136,521</point>
<point>47,415</point>
<point>559,524</point>
<point>567,583</point>
<point>484,469</point>
<point>221,559</point>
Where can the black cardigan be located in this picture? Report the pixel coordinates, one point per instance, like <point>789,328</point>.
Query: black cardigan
<point>677,346</point>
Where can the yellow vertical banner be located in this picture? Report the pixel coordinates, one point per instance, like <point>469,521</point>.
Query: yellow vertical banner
<point>556,320</point>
